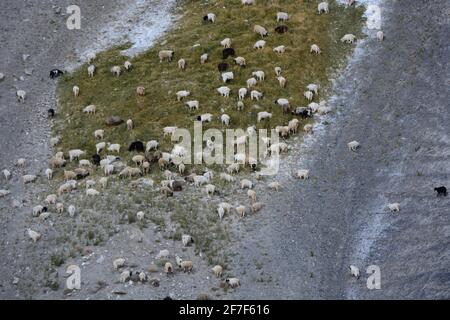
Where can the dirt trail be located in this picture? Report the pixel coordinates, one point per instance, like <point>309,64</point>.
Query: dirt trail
<point>393,99</point>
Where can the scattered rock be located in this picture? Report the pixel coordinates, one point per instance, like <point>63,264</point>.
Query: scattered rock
<point>25,57</point>
<point>28,72</point>
<point>15,280</point>
<point>2,76</point>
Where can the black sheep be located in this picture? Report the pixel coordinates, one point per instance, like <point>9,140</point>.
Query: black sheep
<point>281,29</point>
<point>441,191</point>
<point>96,159</point>
<point>223,66</point>
<point>228,52</point>
<point>136,146</point>
<point>51,113</point>
<point>55,73</point>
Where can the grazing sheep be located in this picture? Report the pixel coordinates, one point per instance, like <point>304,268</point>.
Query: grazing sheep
<point>127,65</point>
<point>71,210</point>
<point>129,124</point>
<point>254,94</point>
<point>113,147</point>
<point>248,2</point>
<point>217,270</point>
<point>240,61</point>
<point>282,81</point>
<point>203,58</point>
<point>21,94</point>
<point>225,119</point>
<point>90,109</point>
<point>282,16</point>
<point>242,93</point>
<point>302,174</point>
<point>293,125</point>
<point>241,210</point>
<point>142,276</point>
<point>280,49</point>
<point>226,43</point>
<point>35,236</point>
<point>91,70</point>
<point>441,191</point>
<point>125,276</point>
<point>116,71</point>
<point>259,75</point>
<point>260,30</point>
<point>380,35</point>
<point>394,207</point>
<point>353,145</point>
<point>221,212</point>
<point>28,178</point>
<point>168,268</point>
<point>7,174</point>
<point>226,177</point>
<point>264,115</point>
<point>251,82</point>
<point>200,180</point>
<point>90,57</point>
<point>181,168</point>
<point>224,91</point>
<point>246,184</point>
<point>37,210</point>
<point>228,52</point>
<point>309,95</point>
<point>100,146</point>
<point>257,206</point>
<point>233,282</point>
<point>138,159</point>
<point>92,192</point>
<point>227,76</point>
<point>308,128</point>
<point>118,263</point>
<point>108,169</point>
<point>152,145</point>
<point>76,90</point>
<point>4,192</point>
<point>55,141</point>
<point>50,199</point>
<point>260,44</point>
<point>274,186</point>
<point>322,110</point>
<point>103,182</point>
<point>315,49</point>
<point>240,106</point>
<point>284,103</point>
<point>354,271</point>
<point>323,7</point>
<point>210,17</point>
<point>140,91</point>
<point>207,117</point>
<point>186,240</point>
<point>313,88</point>
<point>252,195</point>
<point>348,38</point>
<point>182,64</point>
<point>278,71</point>
<point>210,189</point>
<point>99,133</point>
<point>182,94</point>
<point>165,55</point>
<point>59,207</point>
<point>233,168</point>
<point>85,163</point>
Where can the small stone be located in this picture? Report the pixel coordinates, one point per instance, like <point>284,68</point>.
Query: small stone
<point>25,57</point>
<point>21,78</point>
<point>2,76</point>
<point>28,72</point>
<point>15,280</point>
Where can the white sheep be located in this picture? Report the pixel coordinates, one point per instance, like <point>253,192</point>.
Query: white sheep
<point>125,276</point>
<point>248,2</point>
<point>91,70</point>
<point>182,64</point>
<point>274,186</point>
<point>226,177</point>
<point>206,117</point>
<point>6,174</point>
<point>90,57</point>
<point>227,76</point>
<point>260,30</point>
<point>240,106</point>
<point>210,17</point>
<point>280,49</point>
<point>37,210</point>
<point>241,210</point>
<point>323,7</point>
<point>308,128</point>
<point>233,282</point>
<point>264,115</point>
<point>118,263</point>
<point>257,206</point>
<point>254,94</point>
<point>99,133</point>
<point>129,124</point>
<point>127,65</point>
<point>51,199</point>
<point>186,239</point>
<point>394,207</point>
<point>348,38</point>
<point>259,75</point>
<point>281,81</point>
<point>182,94</point>
<point>226,43</point>
<point>217,270</point>
<point>152,145</point>
<point>103,181</point>
<point>225,119</point>
<point>282,16</point>
<point>4,192</point>
<point>21,94</point>
<point>309,95</point>
<point>203,58</point>
<point>92,192</point>
<point>224,91</point>
<point>140,91</point>
<point>200,180</point>
<point>313,88</point>
<point>115,70</point>
<point>85,163</point>
<point>221,212</point>
<point>302,174</point>
<point>251,82</point>
<point>293,125</point>
<point>59,207</point>
<point>278,71</point>
<point>28,178</point>
<point>380,35</point>
<point>140,215</point>
<point>233,168</point>
<point>90,109</point>
<point>100,146</point>
<point>239,158</point>
<point>315,49</point>
<point>322,110</point>
<point>163,254</point>
<point>114,147</point>
<point>76,90</point>
<point>71,210</point>
<point>246,184</point>
<point>353,145</point>
<point>242,93</point>
<point>252,195</point>
<point>165,55</point>
<point>354,271</point>
<point>75,154</point>
<point>210,189</point>
<point>55,141</point>
<point>240,61</point>
<point>34,235</point>
<point>260,44</point>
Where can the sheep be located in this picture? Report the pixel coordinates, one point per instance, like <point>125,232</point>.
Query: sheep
<point>118,263</point>
<point>225,206</point>
<point>260,44</point>
<point>240,106</point>
<point>282,16</point>
<point>90,109</point>
<point>302,174</point>
<point>140,91</point>
<point>210,189</point>
<point>181,168</point>
<point>257,206</point>
<point>168,268</point>
<point>282,81</point>
<point>309,95</point>
<point>182,94</point>
<point>185,265</point>
<point>76,91</point>
<point>380,35</point>
<point>7,174</point>
<point>227,76</point>
<point>239,158</point>
<point>246,184</point>
<point>99,134</point>
<point>91,70</point>
<point>127,65</point>
<point>50,199</point>
<point>274,186</point>
<point>85,163</point>
<point>441,191</point>
<point>293,125</point>
<point>100,146</point>
<point>226,177</point>
<point>90,57</point>
<point>264,115</point>
<point>313,88</point>
<point>224,91</point>
<point>233,168</point>
<point>37,210</point>
<point>186,239</point>
<point>240,61</point>
<point>203,58</point>
<point>210,17</point>
<point>28,178</point>
<point>4,192</point>
<point>394,207</point>
<point>125,276</point>
<point>315,49</point>
<point>350,3</point>
<point>92,192</point>
<point>90,183</point>
<point>353,145</point>
<point>206,117</point>
<point>152,145</point>
<point>109,169</point>
<point>130,172</point>
<point>354,271</point>
<point>71,211</point>
<point>138,159</point>
<point>67,187</point>
<point>221,212</point>
<point>217,270</point>
<point>182,64</point>
<point>254,94</point>
<point>165,55</point>
<point>308,128</point>
<point>34,235</point>
<point>252,195</point>
<point>226,43</point>
<point>233,282</point>
<point>283,102</point>
<point>129,124</point>
<point>278,71</point>
<point>348,38</point>
<point>323,7</point>
<point>248,2</point>
<point>280,49</point>
<point>21,94</point>
<point>59,207</point>
<point>251,82</point>
<point>242,93</point>
<point>241,210</point>
<point>113,147</point>
<point>103,182</point>
<point>55,141</point>
<point>225,119</point>
<point>260,30</point>
<point>162,163</point>
<point>259,75</point>
<point>116,71</point>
